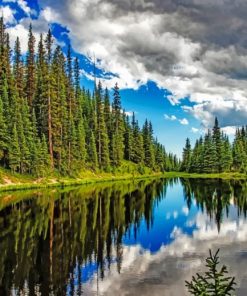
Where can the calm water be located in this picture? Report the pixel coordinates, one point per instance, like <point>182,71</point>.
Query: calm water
<point>141,238</point>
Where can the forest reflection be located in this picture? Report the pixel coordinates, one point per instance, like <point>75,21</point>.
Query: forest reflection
<point>214,196</point>
<point>48,237</point>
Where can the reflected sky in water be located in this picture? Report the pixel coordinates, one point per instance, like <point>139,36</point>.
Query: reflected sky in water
<point>131,238</point>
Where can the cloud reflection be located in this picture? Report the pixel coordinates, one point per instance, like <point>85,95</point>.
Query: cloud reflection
<point>164,272</point>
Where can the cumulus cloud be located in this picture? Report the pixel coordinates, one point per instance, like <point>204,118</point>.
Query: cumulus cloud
<point>20,29</point>
<point>183,46</point>
<point>8,15</point>
<point>229,130</point>
<point>23,5</point>
<point>230,113</point>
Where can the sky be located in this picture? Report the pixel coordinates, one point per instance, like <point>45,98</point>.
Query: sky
<point>179,63</point>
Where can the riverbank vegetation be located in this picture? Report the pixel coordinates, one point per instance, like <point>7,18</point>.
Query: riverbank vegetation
<point>51,125</point>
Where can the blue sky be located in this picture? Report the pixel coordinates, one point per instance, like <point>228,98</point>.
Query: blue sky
<point>171,67</point>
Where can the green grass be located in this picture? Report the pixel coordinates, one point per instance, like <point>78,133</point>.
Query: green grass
<point>127,171</point>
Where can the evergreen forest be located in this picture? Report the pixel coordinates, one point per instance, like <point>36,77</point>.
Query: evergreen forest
<point>214,153</point>
<point>50,123</point>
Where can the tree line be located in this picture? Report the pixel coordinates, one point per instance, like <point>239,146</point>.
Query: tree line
<point>50,123</point>
<point>214,153</point>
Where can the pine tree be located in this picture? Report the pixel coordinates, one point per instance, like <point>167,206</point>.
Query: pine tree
<point>215,281</point>
<point>30,68</point>
<point>138,150</point>
<point>2,35</point>
<point>77,78</point>
<point>107,114</point>
<point>117,152</point>
<point>239,152</point>
<point>18,68</point>
<point>128,140</point>
<point>60,125</point>
<point>159,157</point>
<point>102,137</point>
<point>210,164</point>
<point>226,158</point>
<point>218,145</point>
<point>71,103</point>
<point>186,161</point>
<point>149,158</point>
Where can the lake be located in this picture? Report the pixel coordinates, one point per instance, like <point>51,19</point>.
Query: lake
<point>125,238</point>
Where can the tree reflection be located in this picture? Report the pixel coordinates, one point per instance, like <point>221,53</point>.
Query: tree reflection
<point>214,196</point>
<point>52,241</point>
<point>47,237</point>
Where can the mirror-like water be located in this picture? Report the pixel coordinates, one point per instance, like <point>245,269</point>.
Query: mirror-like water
<point>130,238</point>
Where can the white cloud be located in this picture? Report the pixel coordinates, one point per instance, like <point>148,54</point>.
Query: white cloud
<point>21,31</point>
<point>23,5</point>
<point>130,113</point>
<point>229,112</point>
<point>229,130</point>
<point>172,117</point>
<point>162,42</point>
<point>40,25</point>
<point>165,271</point>
<point>184,121</point>
<point>8,15</point>
<point>195,130</point>
<point>165,50</point>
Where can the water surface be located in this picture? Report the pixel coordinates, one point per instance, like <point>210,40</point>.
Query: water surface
<point>129,238</point>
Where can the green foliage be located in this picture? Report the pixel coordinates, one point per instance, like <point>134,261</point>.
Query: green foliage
<point>14,151</point>
<point>186,162</point>
<point>214,153</point>
<point>215,281</point>
<point>50,123</point>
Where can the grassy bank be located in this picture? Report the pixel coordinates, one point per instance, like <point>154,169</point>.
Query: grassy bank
<point>13,182</point>
<point>128,171</point>
<point>62,182</point>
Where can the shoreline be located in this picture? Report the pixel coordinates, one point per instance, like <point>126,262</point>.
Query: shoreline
<point>60,182</point>
<point>63,182</point>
